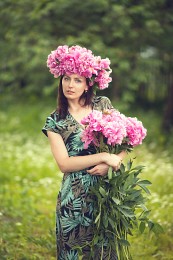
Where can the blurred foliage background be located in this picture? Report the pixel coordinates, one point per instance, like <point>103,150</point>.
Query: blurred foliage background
<point>137,36</point>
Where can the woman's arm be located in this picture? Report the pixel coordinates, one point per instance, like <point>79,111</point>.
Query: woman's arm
<point>76,163</point>
<point>102,168</point>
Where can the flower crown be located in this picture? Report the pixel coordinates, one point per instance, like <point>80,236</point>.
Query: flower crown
<point>78,60</point>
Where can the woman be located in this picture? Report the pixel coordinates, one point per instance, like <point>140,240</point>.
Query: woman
<point>79,70</point>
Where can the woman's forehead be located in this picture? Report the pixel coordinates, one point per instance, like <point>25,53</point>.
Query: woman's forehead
<point>75,76</point>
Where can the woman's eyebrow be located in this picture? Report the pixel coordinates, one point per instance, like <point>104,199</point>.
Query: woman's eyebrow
<point>78,78</point>
<point>74,78</point>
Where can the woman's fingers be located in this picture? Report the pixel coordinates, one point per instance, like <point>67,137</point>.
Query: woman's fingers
<point>92,171</point>
<point>117,167</point>
<point>100,169</point>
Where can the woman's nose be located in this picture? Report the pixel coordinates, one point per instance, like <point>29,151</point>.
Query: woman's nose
<point>70,84</point>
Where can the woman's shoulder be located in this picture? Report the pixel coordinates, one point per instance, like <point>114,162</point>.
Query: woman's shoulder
<point>103,102</point>
<point>52,119</point>
<point>52,123</point>
<point>54,115</point>
<point>100,98</point>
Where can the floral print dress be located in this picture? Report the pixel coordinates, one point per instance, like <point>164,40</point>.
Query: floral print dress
<point>74,213</point>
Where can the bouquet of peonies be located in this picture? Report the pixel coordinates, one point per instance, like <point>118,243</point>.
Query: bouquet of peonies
<point>119,206</point>
<point>115,128</point>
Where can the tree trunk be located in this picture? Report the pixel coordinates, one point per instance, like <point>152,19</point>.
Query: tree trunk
<point>115,90</point>
<point>168,114</point>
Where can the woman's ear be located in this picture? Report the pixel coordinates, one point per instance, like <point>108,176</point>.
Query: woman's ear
<point>86,89</point>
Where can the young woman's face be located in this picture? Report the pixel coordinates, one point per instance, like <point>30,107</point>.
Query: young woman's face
<point>73,86</point>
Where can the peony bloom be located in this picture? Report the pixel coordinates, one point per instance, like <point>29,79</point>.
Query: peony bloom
<point>78,60</point>
<point>135,131</point>
<point>114,128</point>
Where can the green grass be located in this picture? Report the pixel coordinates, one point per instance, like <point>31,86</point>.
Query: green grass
<point>30,180</point>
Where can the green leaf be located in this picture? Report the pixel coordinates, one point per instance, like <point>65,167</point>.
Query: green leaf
<point>129,165</point>
<point>117,201</point>
<point>125,224</point>
<point>136,170</point>
<point>127,213</point>
<point>139,167</point>
<point>144,215</point>
<point>129,181</point>
<point>144,182</point>
<point>96,239</point>
<point>105,221</point>
<point>155,227</point>
<point>110,173</point>
<point>142,206</point>
<point>122,168</point>
<point>134,194</point>
<point>102,191</point>
<point>112,223</point>
<point>150,224</point>
<point>142,227</point>
<point>97,218</point>
<point>124,242</point>
<point>94,191</point>
<point>144,188</point>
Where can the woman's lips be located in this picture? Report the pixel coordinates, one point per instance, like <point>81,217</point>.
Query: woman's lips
<point>70,92</point>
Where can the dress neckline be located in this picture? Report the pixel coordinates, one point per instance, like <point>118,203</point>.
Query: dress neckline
<point>74,120</point>
<point>82,126</point>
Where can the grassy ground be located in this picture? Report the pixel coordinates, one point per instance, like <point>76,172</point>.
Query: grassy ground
<point>30,180</point>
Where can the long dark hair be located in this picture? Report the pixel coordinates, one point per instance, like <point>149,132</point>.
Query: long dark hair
<point>62,107</point>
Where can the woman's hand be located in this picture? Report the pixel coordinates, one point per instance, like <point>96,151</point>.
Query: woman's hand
<point>100,169</point>
<point>113,160</point>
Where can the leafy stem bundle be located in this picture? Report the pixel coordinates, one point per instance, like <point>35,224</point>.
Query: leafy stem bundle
<point>119,207</point>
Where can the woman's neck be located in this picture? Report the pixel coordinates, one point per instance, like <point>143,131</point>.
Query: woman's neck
<point>75,106</point>
<point>77,111</point>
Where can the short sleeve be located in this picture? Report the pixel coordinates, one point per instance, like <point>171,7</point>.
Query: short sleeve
<point>50,125</point>
<point>106,103</point>
<point>102,103</point>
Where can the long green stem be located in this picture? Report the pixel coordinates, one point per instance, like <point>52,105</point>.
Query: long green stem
<point>102,252</point>
<point>109,253</point>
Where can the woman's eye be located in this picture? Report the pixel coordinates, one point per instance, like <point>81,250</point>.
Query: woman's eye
<point>78,80</point>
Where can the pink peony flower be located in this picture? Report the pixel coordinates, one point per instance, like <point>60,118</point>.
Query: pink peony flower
<point>87,137</point>
<point>115,132</point>
<point>78,60</point>
<point>114,127</point>
<point>93,120</point>
<point>103,79</point>
<point>135,131</point>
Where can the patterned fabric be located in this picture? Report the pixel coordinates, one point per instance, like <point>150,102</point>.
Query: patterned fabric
<point>74,213</point>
